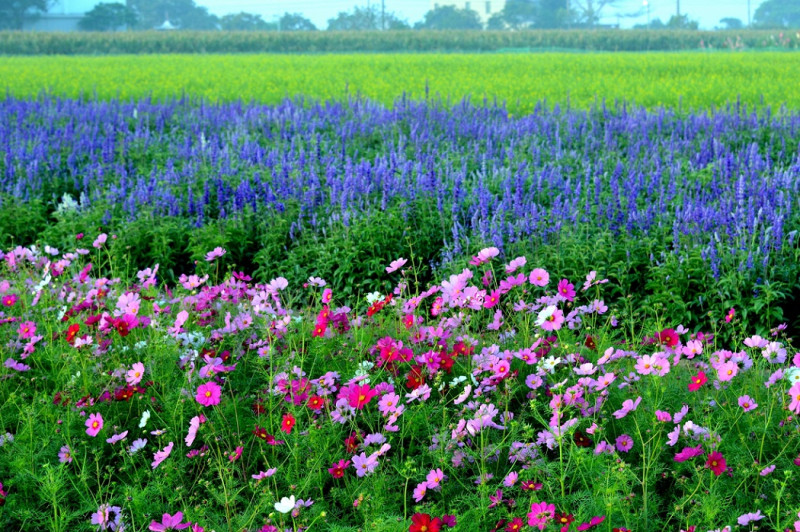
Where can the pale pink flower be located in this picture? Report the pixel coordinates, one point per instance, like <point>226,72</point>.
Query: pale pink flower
<point>161,455</point>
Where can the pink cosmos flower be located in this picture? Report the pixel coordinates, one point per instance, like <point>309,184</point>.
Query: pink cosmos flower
<point>27,329</point>
<point>420,491</point>
<point>554,321</point>
<point>540,514</point>
<point>663,416</point>
<point>388,403</point>
<point>746,403</point>
<point>727,370</point>
<point>794,394</point>
<point>94,424</point>
<point>628,406</point>
<point>169,522</point>
<point>748,518</point>
<point>539,277</point>
<point>134,375</point>
<point>194,426</point>
<point>511,479</point>
<point>117,437</point>
<point>100,240</point>
<point>566,290</point>
<point>235,455</point>
<point>364,464</point>
<point>396,265</point>
<point>593,522</point>
<point>516,264</point>
<point>65,455</point>
<point>215,254</point>
<point>624,443</point>
<point>160,456</point>
<point>435,478</point>
<point>208,394</point>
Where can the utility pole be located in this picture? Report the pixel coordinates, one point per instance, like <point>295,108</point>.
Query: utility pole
<point>383,14</point>
<point>749,23</point>
<point>678,8</point>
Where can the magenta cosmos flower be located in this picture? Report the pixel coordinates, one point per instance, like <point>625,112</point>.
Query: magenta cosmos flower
<point>208,394</point>
<point>169,522</point>
<point>540,514</point>
<point>360,395</point>
<point>566,290</point>
<point>94,424</point>
<point>624,443</point>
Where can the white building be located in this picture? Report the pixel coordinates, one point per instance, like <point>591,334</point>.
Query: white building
<point>484,8</point>
<point>64,15</point>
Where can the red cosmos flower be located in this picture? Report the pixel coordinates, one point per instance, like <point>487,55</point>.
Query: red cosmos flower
<point>590,343</point>
<point>351,442</point>
<point>315,402</point>
<point>319,329</point>
<point>415,378</point>
<point>262,434</point>
<point>716,463</point>
<point>424,523</point>
<point>337,469</point>
<point>621,529</point>
<point>564,520</point>
<point>515,525</point>
<point>72,332</point>
<point>498,525</point>
<point>697,381</point>
<point>668,337</point>
<point>581,439</point>
<point>288,423</point>
<point>530,485</point>
<point>409,320</point>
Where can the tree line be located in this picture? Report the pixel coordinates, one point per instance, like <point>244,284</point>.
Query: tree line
<point>515,15</point>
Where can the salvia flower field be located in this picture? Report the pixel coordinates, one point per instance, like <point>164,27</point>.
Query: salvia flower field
<point>695,211</point>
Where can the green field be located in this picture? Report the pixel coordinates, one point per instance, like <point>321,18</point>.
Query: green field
<point>690,79</point>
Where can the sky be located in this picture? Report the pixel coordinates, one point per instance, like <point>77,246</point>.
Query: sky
<point>707,12</point>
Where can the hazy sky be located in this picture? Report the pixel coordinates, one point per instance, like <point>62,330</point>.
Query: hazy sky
<point>708,12</point>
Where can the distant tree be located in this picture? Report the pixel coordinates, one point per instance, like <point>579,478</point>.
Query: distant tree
<point>496,22</point>
<point>589,12</point>
<point>520,14</point>
<point>450,18</point>
<point>245,22</point>
<point>184,14</point>
<point>14,13</point>
<point>730,23</point>
<point>655,24</point>
<point>552,14</point>
<point>108,17</point>
<point>778,14</point>
<point>364,19</point>
<point>295,22</point>
<point>682,22</point>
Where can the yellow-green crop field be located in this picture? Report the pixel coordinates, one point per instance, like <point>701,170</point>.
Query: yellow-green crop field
<point>692,79</point>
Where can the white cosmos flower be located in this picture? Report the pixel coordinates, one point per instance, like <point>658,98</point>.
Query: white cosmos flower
<point>544,314</point>
<point>145,417</point>
<point>286,505</point>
